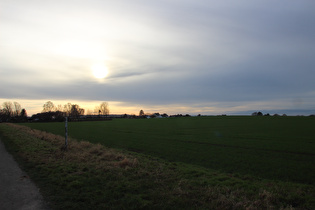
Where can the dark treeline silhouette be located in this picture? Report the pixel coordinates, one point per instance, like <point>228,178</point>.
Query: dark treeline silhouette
<point>154,115</point>
<point>261,114</point>
<point>12,112</point>
<point>52,113</point>
<point>74,112</point>
<point>50,116</point>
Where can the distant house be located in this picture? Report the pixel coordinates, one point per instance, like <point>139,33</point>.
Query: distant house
<point>157,115</point>
<point>164,115</point>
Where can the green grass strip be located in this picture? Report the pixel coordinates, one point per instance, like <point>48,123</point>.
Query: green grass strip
<point>91,176</point>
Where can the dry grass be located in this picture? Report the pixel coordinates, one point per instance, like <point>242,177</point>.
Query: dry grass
<point>81,151</point>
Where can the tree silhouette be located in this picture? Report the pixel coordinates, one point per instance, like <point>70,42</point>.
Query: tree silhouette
<point>76,111</point>
<point>103,109</point>
<point>17,109</point>
<point>48,107</point>
<point>7,109</point>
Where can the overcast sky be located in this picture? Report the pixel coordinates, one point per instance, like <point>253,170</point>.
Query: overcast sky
<point>176,56</point>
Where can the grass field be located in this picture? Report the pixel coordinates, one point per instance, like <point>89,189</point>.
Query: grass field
<point>280,148</point>
<point>178,163</point>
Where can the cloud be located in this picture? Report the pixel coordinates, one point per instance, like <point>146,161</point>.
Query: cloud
<point>177,53</point>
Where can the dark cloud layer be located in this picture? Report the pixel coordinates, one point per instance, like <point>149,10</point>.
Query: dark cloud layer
<point>163,52</point>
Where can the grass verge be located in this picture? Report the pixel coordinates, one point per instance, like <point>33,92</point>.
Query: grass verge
<point>91,176</point>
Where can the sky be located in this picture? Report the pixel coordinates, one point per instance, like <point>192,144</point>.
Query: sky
<point>174,56</point>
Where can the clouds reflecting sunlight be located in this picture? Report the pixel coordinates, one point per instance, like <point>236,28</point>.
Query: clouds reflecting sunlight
<point>208,57</point>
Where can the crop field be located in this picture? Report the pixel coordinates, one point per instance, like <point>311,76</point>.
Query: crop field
<point>275,148</point>
<point>226,162</point>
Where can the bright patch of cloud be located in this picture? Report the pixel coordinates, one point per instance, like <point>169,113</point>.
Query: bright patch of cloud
<point>163,53</point>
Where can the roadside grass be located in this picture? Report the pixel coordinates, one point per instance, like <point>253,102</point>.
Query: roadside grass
<point>91,176</point>
<point>281,148</point>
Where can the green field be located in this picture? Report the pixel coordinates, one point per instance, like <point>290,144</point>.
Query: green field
<point>275,148</point>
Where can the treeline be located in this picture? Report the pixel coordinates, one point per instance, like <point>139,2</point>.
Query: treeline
<point>276,115</point>
<point>261,114</point>
<point>67,110</point>
<point>12,112</point>
<point>74,112</point>
<point>154,115</point>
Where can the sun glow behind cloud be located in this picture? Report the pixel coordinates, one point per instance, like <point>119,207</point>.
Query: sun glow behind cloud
<point>180,54</point>
<point>99,70</point>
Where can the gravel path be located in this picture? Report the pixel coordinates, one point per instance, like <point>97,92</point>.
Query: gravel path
<point>17,191</point>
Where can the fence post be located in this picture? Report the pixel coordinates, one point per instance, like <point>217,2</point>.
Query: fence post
<point>66,135</point>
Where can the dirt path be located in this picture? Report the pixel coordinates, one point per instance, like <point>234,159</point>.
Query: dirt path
<point>17,191</point>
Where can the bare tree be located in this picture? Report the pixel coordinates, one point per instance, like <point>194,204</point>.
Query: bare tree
<point>12,111</point>
<point>67,108</point>
<point>17,109</point>
<point>76,111</point>
<point>141,113</point>
<point>7,109</point>
<point>103,109</point>
<point>59,108</point>
<point>48,107</point>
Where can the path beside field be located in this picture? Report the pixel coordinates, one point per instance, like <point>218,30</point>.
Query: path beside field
<point>17,191</point>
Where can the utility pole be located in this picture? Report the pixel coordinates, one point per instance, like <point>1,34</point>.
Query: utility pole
<point>66,135</point>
